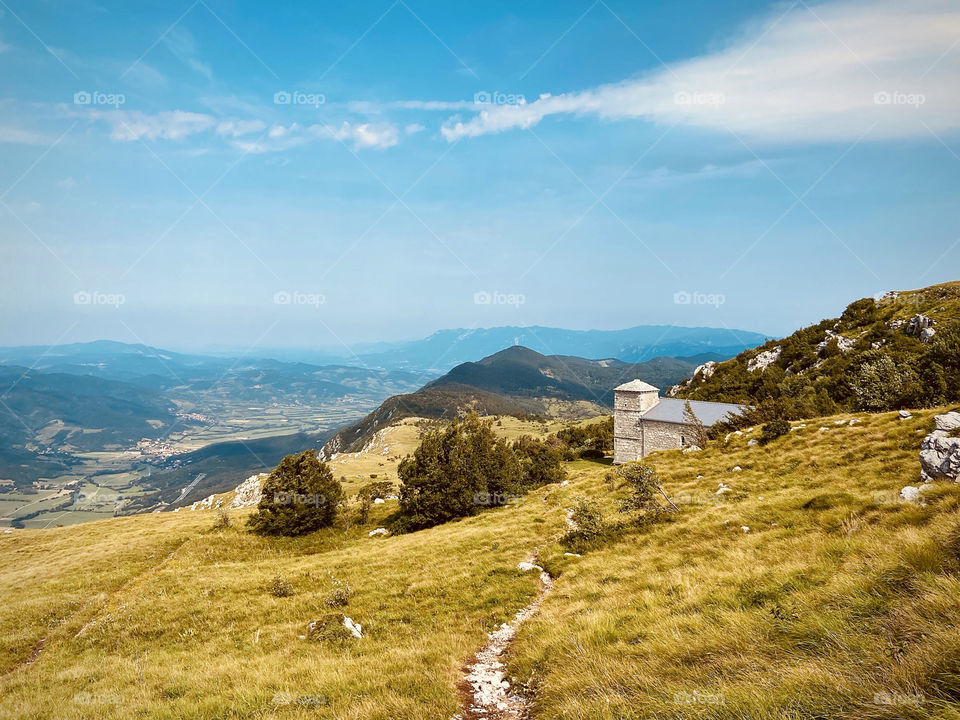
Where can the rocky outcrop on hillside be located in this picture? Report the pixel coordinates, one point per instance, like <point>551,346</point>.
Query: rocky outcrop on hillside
<point>246,494</point>
<point>940,451</point>
<point>763,360</point>
<point>902,350</point>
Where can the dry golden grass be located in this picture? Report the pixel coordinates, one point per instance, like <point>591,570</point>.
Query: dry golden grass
<point>838,603</point>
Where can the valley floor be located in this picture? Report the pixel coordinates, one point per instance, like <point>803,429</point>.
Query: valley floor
<point>806,591</point>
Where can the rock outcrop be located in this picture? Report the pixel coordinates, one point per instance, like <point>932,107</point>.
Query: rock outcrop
<point>940,453</point>
<point>763,360</point>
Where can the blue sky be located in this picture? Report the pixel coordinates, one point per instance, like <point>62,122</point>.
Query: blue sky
<point>238,174</point>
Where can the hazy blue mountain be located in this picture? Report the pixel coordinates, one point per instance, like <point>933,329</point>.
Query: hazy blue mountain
<point>447,348</point>
<point>518,381</point>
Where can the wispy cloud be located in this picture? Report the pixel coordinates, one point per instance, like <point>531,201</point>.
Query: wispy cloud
<point>377,136</point>
<point>135,125</point>
<point>184,47</point>
<point>13,135</point>
<point>817,73</point>
<point>237,128</point>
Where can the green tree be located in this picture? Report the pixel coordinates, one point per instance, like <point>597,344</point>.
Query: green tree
<point>881,383</point>
<point>454,472</point>
<point>540,463</point>
<point>300,496</point>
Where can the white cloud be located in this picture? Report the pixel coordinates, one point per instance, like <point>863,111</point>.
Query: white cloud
<point>21,136</point>
<point>67,183</point>
<point>413,129</point>
<point>377,136</point>
<point>135,125</point>
<point>824,73</point>
<point>236,128</point>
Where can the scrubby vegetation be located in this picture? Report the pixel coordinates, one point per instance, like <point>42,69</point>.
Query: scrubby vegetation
<point>453,471</point>
<point>592,440</point>
<point>462,468</point>
<point>299,496</point>
<point>874,357</point>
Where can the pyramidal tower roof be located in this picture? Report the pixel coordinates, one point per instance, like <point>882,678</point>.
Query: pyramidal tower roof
<point>636,386</point>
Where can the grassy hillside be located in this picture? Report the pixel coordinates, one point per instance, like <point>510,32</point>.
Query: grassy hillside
<point>902,350</point>
<point>837,602</point>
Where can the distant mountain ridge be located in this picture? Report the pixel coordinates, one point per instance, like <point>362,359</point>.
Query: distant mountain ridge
<point>446,349</point>
<point>517,381</point>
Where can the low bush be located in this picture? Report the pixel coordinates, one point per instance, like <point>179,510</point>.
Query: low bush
<point>589,527</point>
<point>541,463</point>
<point>279,587</point>
<point>339,593</point>
<point>644,485</point>
<point>222,520</point>
<point>774,429</point>
<point>328,628</point>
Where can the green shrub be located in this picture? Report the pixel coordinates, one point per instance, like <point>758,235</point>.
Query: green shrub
<point>589,529</point>
<point>591,440</point>
<point>280,588</point>
<point>774,429</point>
<point>541,463</point>
<point>370,492</point>
<point>451,469</point>
<point>222,520</point>
<point>339,594</point>
<point>644,484</point>
<point>328,628</point>
<point>299,496</point>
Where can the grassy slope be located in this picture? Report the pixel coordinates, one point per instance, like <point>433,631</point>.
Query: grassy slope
<point>837,593</point>
<point>836,597</point>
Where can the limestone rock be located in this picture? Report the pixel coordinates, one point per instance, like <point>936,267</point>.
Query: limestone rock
<point>355,628</point>
<point>764,360</point>
<point>918,323</point>
<point>910,494</point>
<point>926,335</point>
<point>378,531</point>
<point>904,414</point>
<point>940,453</point>
<point>948,421</point>
<point>247,493</point>
<point>706,370</point>
<point>844,344</point>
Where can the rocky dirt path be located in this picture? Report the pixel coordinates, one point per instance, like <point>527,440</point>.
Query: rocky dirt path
<point>486,690</point>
